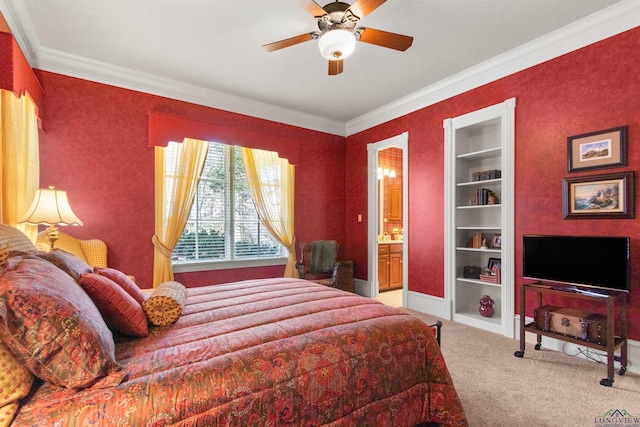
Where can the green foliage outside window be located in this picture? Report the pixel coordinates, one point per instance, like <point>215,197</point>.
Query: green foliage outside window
<point>224,209</point>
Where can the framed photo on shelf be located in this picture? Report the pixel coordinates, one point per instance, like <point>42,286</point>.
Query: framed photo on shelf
<point>497,241</point>
<point>595,150</point>
<point>494,264</point>
<point>599,196</point>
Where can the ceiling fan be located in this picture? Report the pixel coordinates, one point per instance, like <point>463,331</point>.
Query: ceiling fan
<point>338,33</point>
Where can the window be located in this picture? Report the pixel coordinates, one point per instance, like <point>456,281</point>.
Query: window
<point>223,224</point>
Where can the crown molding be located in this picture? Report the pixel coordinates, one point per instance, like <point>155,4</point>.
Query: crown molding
<point>613,20</point>
<point>76,66</point>
<point>21,29</point>
<point>51,60</point>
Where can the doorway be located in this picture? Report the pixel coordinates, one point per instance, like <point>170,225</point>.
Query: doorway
<point>388,212</point>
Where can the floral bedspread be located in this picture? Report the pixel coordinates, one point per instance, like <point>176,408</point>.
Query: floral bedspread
<point>272,352</point>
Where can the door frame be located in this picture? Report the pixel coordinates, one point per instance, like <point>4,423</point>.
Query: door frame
<point>399,141</point>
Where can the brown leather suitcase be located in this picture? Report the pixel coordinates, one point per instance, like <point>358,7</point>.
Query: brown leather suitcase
<point>579,324</point>
<point>542,316</point>
<point>597,328</point>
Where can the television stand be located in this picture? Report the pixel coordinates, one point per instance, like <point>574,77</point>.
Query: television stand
<point>613,341</point>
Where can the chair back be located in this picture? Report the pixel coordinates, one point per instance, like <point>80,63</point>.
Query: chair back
<point>318,256</point>
<point>323,256</point>
<point>92,251</point>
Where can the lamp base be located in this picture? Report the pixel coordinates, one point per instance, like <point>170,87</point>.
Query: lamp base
<point>52,234</point>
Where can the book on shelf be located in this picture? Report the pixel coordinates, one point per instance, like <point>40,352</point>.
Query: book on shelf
<point>482,196</point>
<point>485,196</point>
<point>477,240</point>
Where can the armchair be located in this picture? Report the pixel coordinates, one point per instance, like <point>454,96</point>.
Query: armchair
<point>93,251</point>
<point>318,262</point>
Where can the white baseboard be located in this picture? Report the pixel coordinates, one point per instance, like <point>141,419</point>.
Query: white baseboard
<point>428,304</point>
<point>423,303</point>
<point>362,287</point>
<point>633,348</point>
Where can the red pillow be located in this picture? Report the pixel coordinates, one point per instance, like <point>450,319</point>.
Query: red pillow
<point>121,279</point>
<point>119,310</point>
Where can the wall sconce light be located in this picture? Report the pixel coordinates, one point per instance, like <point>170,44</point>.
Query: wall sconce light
<point>51,207</point>
<point>391,173</point>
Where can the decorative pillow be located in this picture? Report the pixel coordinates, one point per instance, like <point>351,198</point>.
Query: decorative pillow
<point>164,306</point>
<point>119,310</point>
<point>12,239</point>
<point>15,383</point>
<point>69,263</point>
<point>124,281</point>
<point>52,326</point>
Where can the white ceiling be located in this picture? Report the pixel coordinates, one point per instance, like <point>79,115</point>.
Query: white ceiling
<point>209,51</point>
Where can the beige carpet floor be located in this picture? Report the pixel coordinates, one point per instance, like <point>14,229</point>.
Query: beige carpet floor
<point>545,388</point>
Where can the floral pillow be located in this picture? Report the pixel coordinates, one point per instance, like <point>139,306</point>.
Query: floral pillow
<point>51,326</point>
<point>69,263</point>
<point>119,310</point>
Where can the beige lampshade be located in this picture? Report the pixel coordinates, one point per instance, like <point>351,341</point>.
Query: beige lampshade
<point>50,207</point>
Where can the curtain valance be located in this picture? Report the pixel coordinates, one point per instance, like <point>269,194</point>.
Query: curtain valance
<point>164,127</point>
<point>16,74</point>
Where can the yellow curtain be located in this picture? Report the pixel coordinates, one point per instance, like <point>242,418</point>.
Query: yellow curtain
<point>271,180</point>
<point>19,157</point>
<point>173,201</point>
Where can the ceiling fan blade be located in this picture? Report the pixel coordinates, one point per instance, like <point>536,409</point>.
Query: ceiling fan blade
<point>336,67</point>
<point>270,47</point>
<point>385,39</point>
<point>362,8</point>
<point>312,7</point>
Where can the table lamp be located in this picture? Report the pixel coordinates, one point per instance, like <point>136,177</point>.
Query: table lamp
<point>51,207</point>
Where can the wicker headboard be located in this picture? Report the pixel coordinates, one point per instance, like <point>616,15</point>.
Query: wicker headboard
<point>12,239</point>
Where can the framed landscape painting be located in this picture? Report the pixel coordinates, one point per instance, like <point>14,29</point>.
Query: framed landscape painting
<point>595,150</point>
<point>599,196</point>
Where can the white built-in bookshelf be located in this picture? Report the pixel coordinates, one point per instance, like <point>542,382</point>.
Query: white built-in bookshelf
<point>479,209</point>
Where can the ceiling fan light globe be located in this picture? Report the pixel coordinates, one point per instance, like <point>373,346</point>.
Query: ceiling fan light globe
<point>337,44</point>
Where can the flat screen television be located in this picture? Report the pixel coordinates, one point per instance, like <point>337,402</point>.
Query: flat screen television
<point>591,261</point>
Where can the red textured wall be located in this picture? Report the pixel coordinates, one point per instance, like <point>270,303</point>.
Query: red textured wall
<point>587,90</point>
<point>96,137</point>
<point>95,146</point>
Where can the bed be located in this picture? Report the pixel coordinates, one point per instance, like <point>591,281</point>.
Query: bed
<point>269,352</point>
